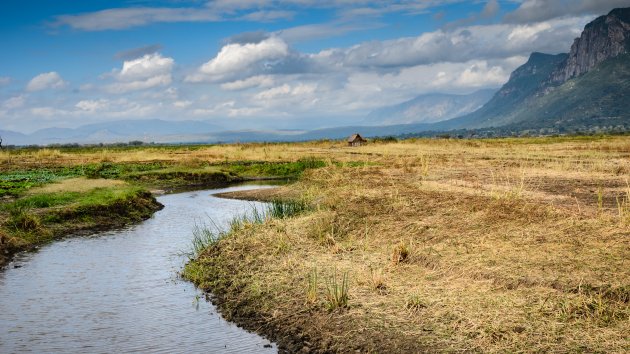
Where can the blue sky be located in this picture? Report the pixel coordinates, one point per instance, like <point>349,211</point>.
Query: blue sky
<point>262,64</point>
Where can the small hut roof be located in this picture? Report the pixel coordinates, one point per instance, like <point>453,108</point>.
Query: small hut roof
<point>355,137</point>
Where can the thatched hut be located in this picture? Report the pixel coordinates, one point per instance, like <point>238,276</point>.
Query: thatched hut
<point>356,140</point>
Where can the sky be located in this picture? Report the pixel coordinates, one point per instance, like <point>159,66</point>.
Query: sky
<point>262,64</point>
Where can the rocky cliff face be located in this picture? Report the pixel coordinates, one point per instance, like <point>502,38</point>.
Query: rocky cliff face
<point>606,37</point>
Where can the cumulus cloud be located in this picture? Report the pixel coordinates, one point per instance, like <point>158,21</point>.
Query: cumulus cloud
<point>50,80</point>
<point>182,104</point>
<point>541,10</point>
<point>92,105</point>
<point>151,70</point>
<point>474,42</point>
<point>246,60</point>
<point>235,59</point>
<point>254,81</point>
<point>14,102</point>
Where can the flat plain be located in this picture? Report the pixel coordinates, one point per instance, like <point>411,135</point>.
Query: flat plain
<point>517,245</point>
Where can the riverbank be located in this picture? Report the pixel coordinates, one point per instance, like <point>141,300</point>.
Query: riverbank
<point>75,207</point>
<point>492,245</point>
<point>47,194</point>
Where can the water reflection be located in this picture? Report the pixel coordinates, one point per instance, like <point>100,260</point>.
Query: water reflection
<point>119,291</point>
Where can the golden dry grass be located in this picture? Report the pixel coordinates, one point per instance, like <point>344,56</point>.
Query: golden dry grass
<point>504,245</point>
<point>494,246</point>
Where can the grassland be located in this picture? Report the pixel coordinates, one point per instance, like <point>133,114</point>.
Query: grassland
<point>508,245</point>
<point>49,193</point>
<point>431,245</point>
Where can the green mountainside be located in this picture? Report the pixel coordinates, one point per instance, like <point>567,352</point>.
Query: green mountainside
<point>587,89</point>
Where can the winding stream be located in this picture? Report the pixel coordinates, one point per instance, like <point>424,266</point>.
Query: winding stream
<point>119,291</point>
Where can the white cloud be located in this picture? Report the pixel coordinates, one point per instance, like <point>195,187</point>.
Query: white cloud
<point>45,81</point>
<point>542,10</point>
<point>285,91</point>
<point>48,112</point>
<point>151,70</point>
<point>14,102</point>
<point>234,59</point>
<point>482,75</point>
<point>5,80</point>
<point>469,43</point>
<point>274,92</point>
<point>254,81</point>
<point>182,104</point>
<point>92,105</point>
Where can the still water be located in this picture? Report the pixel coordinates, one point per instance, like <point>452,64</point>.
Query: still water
<point>119,291</point>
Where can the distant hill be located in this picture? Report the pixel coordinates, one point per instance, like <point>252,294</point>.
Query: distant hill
<point>146,130</point>
<point>430,108</point>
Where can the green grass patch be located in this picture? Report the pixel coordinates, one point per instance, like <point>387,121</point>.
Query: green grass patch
<point>15,183</point>
<point>273,169</point>
<point>97,196</point>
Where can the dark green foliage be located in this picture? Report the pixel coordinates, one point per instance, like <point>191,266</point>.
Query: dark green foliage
<point>385,139</point>
<point>15,182</point>
<point>283,209</point>
<point>276,169</point>
<point>287,208</point>
<point>20,219</point>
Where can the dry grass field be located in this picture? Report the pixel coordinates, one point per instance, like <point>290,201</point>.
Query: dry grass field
<point>505,245</point>
<point>514,245</point>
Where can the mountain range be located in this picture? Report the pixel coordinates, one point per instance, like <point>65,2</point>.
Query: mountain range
<point>430,108</point>
<point>587,89</point>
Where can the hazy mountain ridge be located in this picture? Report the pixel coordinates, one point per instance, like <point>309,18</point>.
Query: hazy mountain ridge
<point>430,108</point>
<point>524,82</point>
<point>146,130</point>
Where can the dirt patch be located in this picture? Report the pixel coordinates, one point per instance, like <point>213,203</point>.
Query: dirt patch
<point>260,195</point>
<point>77,185</point>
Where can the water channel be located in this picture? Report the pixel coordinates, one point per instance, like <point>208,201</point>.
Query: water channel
<point>119,291</point>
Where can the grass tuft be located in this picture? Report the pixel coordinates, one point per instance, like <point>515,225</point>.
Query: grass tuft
<point>311,289</point>
<point>286,208</point>
<point>336,292</point>
<point>400,253</point>
<point>415,303</point>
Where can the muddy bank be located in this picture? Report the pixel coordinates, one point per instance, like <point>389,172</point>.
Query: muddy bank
<point>118,290</point>
<point>305,328</point>
<point>40,227</point>
<point>260,195</point>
